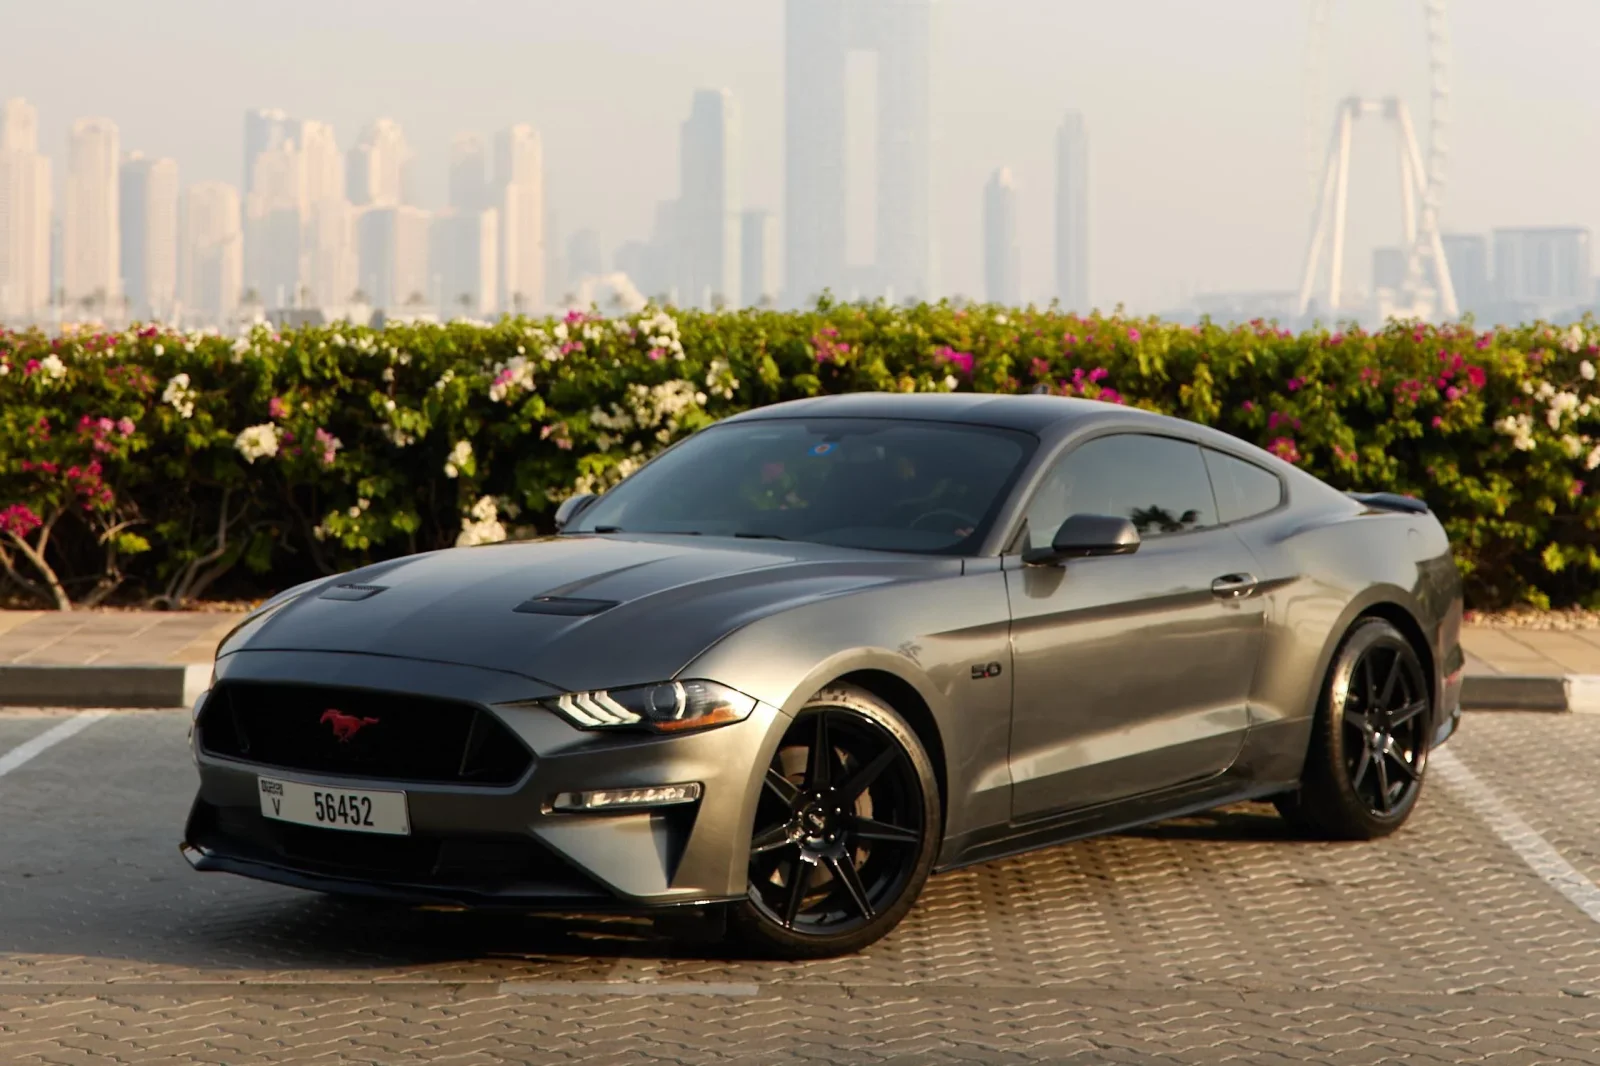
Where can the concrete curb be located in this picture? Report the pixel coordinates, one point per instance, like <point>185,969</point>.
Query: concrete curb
<point>174,685</point>
<point>156,686</point>
<point>1578,693</point>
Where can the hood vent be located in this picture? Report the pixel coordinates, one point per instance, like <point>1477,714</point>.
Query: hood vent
<point>352,592</point>
<point>563,605</point>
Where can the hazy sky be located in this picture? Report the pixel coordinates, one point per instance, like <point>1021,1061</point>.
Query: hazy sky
<point>1196,108</point>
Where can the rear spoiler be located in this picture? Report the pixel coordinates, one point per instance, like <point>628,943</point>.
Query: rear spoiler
<point>1390,501</point>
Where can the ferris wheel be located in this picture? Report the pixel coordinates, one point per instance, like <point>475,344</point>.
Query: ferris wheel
<point>1427,288</point>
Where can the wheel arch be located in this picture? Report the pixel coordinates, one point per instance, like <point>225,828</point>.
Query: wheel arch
<point>908,702</point>
<point>1389,603</point>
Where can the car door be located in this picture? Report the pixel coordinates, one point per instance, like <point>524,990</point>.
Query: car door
<point>1131,673</point>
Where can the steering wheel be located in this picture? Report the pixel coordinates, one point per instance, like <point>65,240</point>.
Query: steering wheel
<point>963,520</point>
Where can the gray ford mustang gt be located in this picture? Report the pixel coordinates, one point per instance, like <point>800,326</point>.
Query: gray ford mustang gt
<point>815,652</point>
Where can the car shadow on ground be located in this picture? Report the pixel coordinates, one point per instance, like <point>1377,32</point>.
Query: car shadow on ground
<point>1238,824</point>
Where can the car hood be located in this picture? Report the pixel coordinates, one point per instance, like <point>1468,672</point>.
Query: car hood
<point>572,612</point>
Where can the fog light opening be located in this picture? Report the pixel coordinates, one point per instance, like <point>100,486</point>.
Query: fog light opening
<point>613,799</point>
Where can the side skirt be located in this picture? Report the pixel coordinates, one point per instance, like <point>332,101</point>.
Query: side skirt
<point>1007,840</point>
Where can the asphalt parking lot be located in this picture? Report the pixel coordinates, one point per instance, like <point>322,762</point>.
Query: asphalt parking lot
<point>1472,936</point>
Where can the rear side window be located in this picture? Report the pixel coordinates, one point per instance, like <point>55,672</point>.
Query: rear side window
<point>1243,489</point>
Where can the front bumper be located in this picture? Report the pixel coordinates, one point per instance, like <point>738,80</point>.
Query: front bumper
<point>483,845</point>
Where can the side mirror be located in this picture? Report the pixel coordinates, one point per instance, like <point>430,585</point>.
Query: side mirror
<point>1085,535</point>
<point>571,506</point>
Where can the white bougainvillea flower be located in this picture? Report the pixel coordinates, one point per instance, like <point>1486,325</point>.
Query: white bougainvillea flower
<point>257,442</point>
<point>460,456</point>
<point>179,395</point>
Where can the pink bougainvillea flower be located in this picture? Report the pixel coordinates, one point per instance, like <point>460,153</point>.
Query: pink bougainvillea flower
<point>276,408</point>
<point>1476,377</point>
<point>1041,368</point>
<point>1438,421</point>
<point>1248,405</point>
<point>1577,488</point>
<point>962,361</point>
<point>1454,393</point>
<point>1110,396</point>
<point>125,426</point>
<point>19,520</point>
<point>1133,335</point>
<point>1284,448</point>
<point>1295,383</point>
<point>1099,374</point>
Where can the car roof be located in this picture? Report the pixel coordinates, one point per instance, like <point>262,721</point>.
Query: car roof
<point>1048,417</point>
<point>1031,413</point>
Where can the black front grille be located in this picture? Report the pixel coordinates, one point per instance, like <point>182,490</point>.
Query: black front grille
<point>360,733</point>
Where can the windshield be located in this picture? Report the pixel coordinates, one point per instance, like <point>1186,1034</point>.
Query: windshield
<point>855,482</point>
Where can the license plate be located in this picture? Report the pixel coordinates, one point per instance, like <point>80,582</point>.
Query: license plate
<point>330,807</point>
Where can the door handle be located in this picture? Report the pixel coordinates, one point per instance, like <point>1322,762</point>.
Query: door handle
<point>1233,586</point>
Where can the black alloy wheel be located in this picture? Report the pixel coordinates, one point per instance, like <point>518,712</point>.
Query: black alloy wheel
<point>846,829</point>
<point>1369,745</point>
<point>1385,721</point>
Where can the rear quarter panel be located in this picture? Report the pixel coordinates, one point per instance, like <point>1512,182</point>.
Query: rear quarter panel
<point>1324,565</point>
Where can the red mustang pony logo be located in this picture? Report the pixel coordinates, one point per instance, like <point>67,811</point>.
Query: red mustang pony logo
<point>344,725</point>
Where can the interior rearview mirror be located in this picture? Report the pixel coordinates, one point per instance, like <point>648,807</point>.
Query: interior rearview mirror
<point>1085,535</point>
<point>570,507</point>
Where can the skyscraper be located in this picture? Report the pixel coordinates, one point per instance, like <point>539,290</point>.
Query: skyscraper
<point>519,192</point>
<point>324,167</point>
<point>709,201</point>
<point>25,196</point>
<point>265,128</point>
<point>394,256</point>
<point>758,258</point>
<point>1002,254</point>
<point>275,213</point>
<point>91,235</point>
<point>377,166</point>
<point>149,235</point>
<point>1468,257</point>
<point>328,264</point>
<point>464,248</point>
<point>1072,214</point>
<point>211,255</point>
<point>1546,266</point>
<point>818,36</point>
<point>469,173</point>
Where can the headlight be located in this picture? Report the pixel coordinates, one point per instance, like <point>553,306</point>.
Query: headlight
<point>668,707</point>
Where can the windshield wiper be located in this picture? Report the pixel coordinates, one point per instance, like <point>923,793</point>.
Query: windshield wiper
<point>759,536</point>
<point>606,529</point>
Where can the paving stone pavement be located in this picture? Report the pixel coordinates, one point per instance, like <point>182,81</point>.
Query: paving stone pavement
<point>1214,939</point>
<point>140,637</point>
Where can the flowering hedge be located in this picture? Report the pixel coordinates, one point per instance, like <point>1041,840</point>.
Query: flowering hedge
<point>161,466</point>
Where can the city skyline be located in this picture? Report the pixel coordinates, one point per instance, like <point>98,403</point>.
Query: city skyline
<point>1162,252</point>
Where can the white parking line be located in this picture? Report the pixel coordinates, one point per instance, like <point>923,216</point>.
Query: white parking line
<point>1519,836</point>
<point>48,739</point>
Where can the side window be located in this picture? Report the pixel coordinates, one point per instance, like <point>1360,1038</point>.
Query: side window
<point>1243,489</point>
<point>1158,483</point>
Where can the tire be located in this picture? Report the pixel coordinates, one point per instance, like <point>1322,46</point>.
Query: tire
<point>1369,742</point>
<point>830,871</point>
